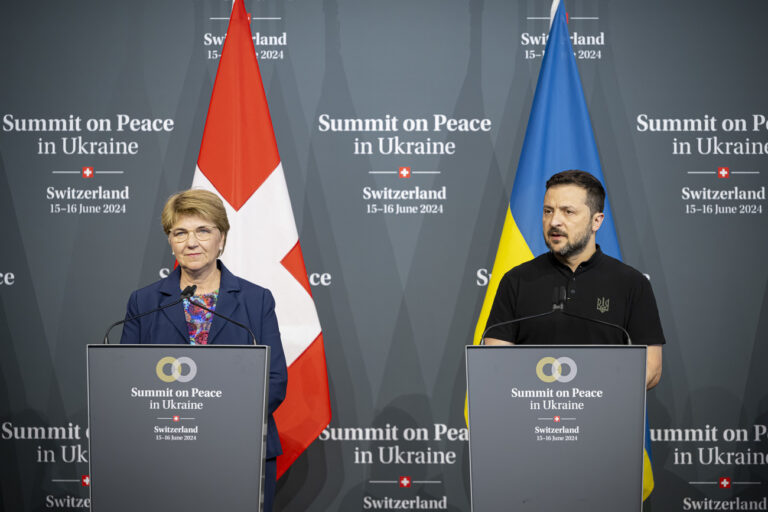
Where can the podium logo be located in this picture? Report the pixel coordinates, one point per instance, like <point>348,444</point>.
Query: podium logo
<point>175,365</point>
<point>555,367</point>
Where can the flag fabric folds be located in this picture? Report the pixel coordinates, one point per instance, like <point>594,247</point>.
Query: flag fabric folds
<point>558,137</point>
<point>240,162</point>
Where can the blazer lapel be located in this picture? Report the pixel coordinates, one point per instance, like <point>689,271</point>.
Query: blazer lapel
<point>226,304</point>
<point>175,314</point>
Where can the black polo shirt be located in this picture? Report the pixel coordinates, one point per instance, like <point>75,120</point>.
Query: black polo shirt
<point>602,288</point>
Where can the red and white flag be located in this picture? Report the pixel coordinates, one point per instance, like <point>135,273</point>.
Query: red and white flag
<point>239,161</point>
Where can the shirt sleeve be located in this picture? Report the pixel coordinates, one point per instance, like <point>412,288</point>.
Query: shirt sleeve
<point>503,310</point>
<point>644,324</point>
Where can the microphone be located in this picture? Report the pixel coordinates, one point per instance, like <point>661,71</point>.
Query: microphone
<point>558,303</point>
<point>186,293</point>
<point>609,324</point>
<point>203,306</point>
<point>559,297</point>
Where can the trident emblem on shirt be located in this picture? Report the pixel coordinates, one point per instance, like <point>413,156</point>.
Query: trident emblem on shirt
<point>603,304</point>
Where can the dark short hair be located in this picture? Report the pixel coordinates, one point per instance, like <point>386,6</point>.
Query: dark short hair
<point>595,190</point>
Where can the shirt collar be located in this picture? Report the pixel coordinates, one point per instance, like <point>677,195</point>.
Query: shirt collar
<point>583,266</point>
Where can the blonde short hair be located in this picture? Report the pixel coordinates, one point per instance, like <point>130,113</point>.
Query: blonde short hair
<point>195,202</point>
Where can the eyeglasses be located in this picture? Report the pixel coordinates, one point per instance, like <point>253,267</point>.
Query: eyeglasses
<point>202,234</point>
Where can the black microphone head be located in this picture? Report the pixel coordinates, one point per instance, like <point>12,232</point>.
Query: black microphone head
<point>188,291</point>
<point>558,298</point>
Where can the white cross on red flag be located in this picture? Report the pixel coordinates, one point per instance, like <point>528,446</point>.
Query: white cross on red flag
<point>240,162</point>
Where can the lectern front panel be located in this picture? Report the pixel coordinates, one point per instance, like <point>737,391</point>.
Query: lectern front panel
<point>176,427</point>
<point>556,427</point>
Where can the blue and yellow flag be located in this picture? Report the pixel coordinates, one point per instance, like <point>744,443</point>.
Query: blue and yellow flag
<point>559,137</point>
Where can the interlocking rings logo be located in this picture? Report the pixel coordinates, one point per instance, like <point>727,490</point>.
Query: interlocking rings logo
<point>556,372</point>
<point>176,374</point>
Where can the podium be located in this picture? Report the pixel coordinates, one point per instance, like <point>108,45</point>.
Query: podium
<point>177,427</point>
<point>556,427</point>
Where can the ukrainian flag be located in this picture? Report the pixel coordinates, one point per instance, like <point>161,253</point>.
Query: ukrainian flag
<point>559,137</point>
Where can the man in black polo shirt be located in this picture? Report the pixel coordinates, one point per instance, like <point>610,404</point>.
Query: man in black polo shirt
<point>596,285</point>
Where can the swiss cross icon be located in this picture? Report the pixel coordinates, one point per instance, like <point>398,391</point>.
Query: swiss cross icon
<point>723,172</point>
<point>85,480</point>
<point>725,483</point>
<point>176,418</point>
<point>87,172</point>
<point>404,172</point>
<point>557,419</point>
<point>405,481</point>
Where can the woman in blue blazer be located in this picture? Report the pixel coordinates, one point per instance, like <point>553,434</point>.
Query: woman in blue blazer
<point>197,226</point>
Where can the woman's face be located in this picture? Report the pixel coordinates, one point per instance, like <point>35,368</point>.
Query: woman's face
<point>192,253</point>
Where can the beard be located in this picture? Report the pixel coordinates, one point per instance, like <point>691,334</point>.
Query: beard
<point>570,249</point>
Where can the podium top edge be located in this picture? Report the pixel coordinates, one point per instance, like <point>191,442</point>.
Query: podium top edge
<point>171,346</point>
<point>471,347</point>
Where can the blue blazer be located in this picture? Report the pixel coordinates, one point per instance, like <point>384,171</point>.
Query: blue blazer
<point>238,299</point>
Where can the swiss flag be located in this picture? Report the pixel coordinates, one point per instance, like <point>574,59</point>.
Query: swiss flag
<point>725,483</point>
<point>404,172</point>
<point>87,172</point>
<point>239,161</point>
<point>85,480</point>
<point>723,172</point>
<point>176,418</point>
<point>557,419</point>
<point>405,481</point>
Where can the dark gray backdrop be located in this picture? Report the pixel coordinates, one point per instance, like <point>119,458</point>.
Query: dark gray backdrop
<point>405,290</point>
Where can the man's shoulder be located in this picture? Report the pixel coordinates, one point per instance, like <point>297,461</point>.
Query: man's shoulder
<point>621,270</point>
<point>530,267</point>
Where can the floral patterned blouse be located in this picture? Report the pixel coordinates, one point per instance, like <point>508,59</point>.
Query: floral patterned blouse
<point>198,319</point>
